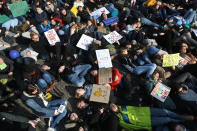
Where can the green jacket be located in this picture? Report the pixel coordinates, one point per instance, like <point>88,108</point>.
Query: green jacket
<point>136,118</point>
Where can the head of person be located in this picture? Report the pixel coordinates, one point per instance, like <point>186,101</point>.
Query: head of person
<point>101,24</point>
<point>53,22</point>
<point>158,4</point>
<point>183,50</point>
<point>79,92</point>
<point>32,90</point>
<point>74,116</point>
<point>82,104</point>
<point>34,37</point>
<point>1,60</point>
<point>48,3</point>
<point>80,8</point>
<point>124,51</point>
<point>39,9</point>
<point>114,107</point>
<point>94,72</point>
<point>63,11</point>
<point>104,16</point>
<point>180,88</point>
<point>44,22</point>
<point>89,23</point>
<point>128,45</point>
<point>155,76</point>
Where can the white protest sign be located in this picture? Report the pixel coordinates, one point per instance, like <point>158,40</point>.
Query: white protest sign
<point>104,59</point>
<point>52,37</point>
<point>161,92</point>
<point>99,12</point>
<point>113,37</point>
<point>84,42</point>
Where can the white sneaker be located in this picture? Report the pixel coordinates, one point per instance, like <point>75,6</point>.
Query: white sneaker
<point>50,129</point>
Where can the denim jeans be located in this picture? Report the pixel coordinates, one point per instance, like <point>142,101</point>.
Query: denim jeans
<point>10,23</point>
<point>190,16</point>
<point>146,21</point>
<point>163,116</point>
<point>64,30</point>
<point>148,69</point>
<point>55,105</point>
<point>77,78</point>
<point>43,82</point>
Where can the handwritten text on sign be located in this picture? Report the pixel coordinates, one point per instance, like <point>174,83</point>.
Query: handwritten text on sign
<point>104,59</point>
<point>97,13</point>
<point>113,37</point>
<point>84,42</point>
<point>52,37</point>
<point>170,60</point>
<point>19,8</point>
<point>160,92</point>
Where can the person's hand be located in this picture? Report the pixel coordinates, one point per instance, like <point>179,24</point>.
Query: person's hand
<point>116,78</point>
<point>81,129</point>
<point>66,102</point>
<point>33,123</point>
<point>72,30</point>
<point>61,69</point>
<point>101,110</point>
<point>45,67</point>
<point>96,62</point>
<point>139,51</point>
<point>57,112</point>
<point>10,73</point>
<point>118,42</point>
<point>73,23</point>
<point>155,34</point>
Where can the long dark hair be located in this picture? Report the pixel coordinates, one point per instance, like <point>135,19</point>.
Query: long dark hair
<point>31,88</point>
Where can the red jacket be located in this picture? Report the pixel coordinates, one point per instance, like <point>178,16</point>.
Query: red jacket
<point>114,84</point>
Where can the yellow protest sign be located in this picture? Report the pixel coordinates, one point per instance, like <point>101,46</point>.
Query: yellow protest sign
<point>170,60</point>
<point>74,10</point>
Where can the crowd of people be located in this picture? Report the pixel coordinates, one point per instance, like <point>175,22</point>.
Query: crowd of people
<point>31,68</point>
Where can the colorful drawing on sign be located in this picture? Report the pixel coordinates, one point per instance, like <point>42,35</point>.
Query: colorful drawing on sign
<point>182,62</point>
<point>161,92</point>
<point>113,37</point>
<point>52,37</point>
<point>84,42</point>
<point>170,60</point>
<point>110,20</point>
<point>104,59</point>
<point>100,93</point>
<point>19,8</point>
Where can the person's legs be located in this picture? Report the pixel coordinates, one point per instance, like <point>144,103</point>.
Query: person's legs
<point>14,22</point>
<point>76,80</point>
<point>47,77</point>
<point>58,118</point>
<point>42,83</point>
<point>189,16</point>
<point>146,21</point>
<point>157,121</point>
<point>157,112</point>
<point>81,70</point>
<point>56,103</point>
<point>148,69</point>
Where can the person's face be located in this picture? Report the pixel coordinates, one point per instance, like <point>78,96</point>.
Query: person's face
<point>158,5</point>
<point>89,23</point>
<point>1,61</point>
<point>73,116</point>
<point>39,10</point>
<point>53,22</point>
<point>179,128</point>
<point>139,24</point>
<point>80,92</point>
<point>181,90</point>
<point>94,72</point>
<point>183,50</point>
<point>156,77</point>
<point>45,22</point>
<point>35,38</point>
<point>48,3</point>
<point>81,105</point>
<point>129,46</point>
<point>124,52</point>
<point>114,107</point>
<point>80,9</point>
<point>104,16</point>
<point>64,12</point>
<point>101,24</point>
<point>134,25</point>
<point>35,91</point>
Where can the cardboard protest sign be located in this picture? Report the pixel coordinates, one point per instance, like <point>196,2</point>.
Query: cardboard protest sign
<point>100,93</point>
<point>31,52</point>
<point>104,59</point>
<point>4,18</point>
<point>84,42</point>
<point>113,37</point>
<point>19,8</point>
<point>105,76</point>
<point>182,62</point>
<point>101,29</point>
<point>110,21</point>
<point>52,37</point>
<point>74,10</point>
<point>161,92</point>
<point>170,60</point>
<point>97,13</point>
